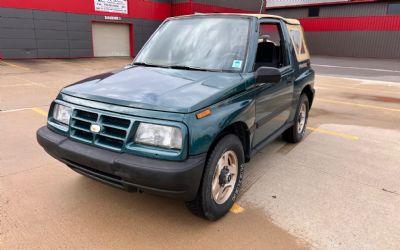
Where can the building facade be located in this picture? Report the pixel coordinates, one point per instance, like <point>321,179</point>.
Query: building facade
<point>352,28</point>
<point>90,28</point>
<point>99,28</point>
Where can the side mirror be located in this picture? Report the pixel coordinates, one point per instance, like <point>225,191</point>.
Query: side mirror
<point>268,75</point>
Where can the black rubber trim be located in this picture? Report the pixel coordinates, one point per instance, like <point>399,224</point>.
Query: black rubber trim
<point>270,138</point>
<point>177,179</point>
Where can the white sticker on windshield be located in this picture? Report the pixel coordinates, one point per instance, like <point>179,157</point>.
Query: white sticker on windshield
<point>237,64</point>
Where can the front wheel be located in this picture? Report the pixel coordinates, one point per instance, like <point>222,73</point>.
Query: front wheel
<point>296,133</point>
<point>221,181</point>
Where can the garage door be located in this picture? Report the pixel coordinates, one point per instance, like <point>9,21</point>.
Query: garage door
<point>111,39</point>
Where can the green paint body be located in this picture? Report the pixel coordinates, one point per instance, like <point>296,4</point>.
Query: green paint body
<point>174,97</point>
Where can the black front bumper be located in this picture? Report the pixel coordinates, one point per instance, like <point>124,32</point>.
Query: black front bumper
<point>177,179</point>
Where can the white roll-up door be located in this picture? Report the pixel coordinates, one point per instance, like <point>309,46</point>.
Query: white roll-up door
<point>110,39</point>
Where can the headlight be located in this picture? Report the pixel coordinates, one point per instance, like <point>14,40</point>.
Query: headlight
<point>160,136</point>
<point>62,113</point>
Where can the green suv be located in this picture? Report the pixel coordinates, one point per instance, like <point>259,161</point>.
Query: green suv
<point>201,97</point>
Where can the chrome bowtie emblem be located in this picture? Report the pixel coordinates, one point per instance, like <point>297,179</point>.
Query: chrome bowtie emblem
<point>95,128</point>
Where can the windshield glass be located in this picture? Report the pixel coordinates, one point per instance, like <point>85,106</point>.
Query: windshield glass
<point>208,43</point>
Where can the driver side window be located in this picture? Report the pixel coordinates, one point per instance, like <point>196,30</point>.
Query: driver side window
<point>271,49</point>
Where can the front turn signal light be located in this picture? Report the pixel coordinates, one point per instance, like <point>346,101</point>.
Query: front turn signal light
<point>203,113</point>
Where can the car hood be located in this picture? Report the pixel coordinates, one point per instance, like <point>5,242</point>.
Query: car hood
<point>180,91</point>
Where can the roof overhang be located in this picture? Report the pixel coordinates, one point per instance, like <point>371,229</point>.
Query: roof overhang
<point>281,4</point>
<point>258,16</point>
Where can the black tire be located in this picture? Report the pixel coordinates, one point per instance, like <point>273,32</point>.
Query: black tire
<point>292,134</point>
<point>204,204</point>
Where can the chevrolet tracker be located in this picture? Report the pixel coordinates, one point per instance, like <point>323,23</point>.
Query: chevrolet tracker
<point>201,97</point>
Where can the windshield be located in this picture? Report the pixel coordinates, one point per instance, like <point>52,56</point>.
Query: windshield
<point>207,43</point>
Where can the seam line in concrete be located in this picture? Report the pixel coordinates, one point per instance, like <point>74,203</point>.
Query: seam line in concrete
<point>358,105</point>
<point>345,178</point>
<point>21,109</point>
<point>14,65</point>
<point>343,67</point>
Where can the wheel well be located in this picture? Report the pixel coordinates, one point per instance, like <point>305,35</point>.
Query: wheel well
<point>241,131</point>
<point>310,95</point>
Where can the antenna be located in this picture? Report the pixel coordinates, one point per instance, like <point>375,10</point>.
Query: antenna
<point>262,6</point>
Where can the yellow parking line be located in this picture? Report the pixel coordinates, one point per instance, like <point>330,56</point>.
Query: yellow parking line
<point>359,105</point>
<point>344,136</point>
<point>39,111</point>
<point>236,209</point>
<point>14,65</point>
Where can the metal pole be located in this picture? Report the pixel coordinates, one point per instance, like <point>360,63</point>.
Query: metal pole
<point>262,6</point>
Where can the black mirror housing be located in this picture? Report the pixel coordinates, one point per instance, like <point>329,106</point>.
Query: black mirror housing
<point>268,75</point>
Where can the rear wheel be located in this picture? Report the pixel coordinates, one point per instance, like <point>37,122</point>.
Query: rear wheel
<point>221,181</point>
<point>296,133</point>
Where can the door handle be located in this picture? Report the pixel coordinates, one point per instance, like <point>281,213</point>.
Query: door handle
<point>263,84</point>
<point>257,85</point>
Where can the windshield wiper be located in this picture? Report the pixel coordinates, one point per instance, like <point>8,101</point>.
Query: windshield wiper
<point>149,65</point>
<point>173,67</point>
<point>190,68</point>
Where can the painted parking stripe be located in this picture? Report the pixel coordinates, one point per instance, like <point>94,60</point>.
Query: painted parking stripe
<point>358,105</point>
<point>14,65</point>
<point>324,86</point>
<point>14,110</point>
<point>236,209</point>
<point>39,111</point>
<point>360,81</point>
<point>357,68</point>
<point>332,133</point>
<point>35,109</point>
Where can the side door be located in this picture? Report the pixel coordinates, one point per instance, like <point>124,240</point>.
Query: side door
<point>273,101</point>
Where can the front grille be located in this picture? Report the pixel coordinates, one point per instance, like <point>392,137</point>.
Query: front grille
<point>113,134</point>
<point>89,116</point>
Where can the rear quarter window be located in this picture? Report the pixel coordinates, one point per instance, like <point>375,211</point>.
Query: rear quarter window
<point>297,36</point>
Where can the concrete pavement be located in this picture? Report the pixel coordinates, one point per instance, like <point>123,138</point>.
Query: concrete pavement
<point>338,189</point>
<point>386,70</point>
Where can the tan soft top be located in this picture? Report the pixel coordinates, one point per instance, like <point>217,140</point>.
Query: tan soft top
<point>287,20</point>
<point>259,16</point>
